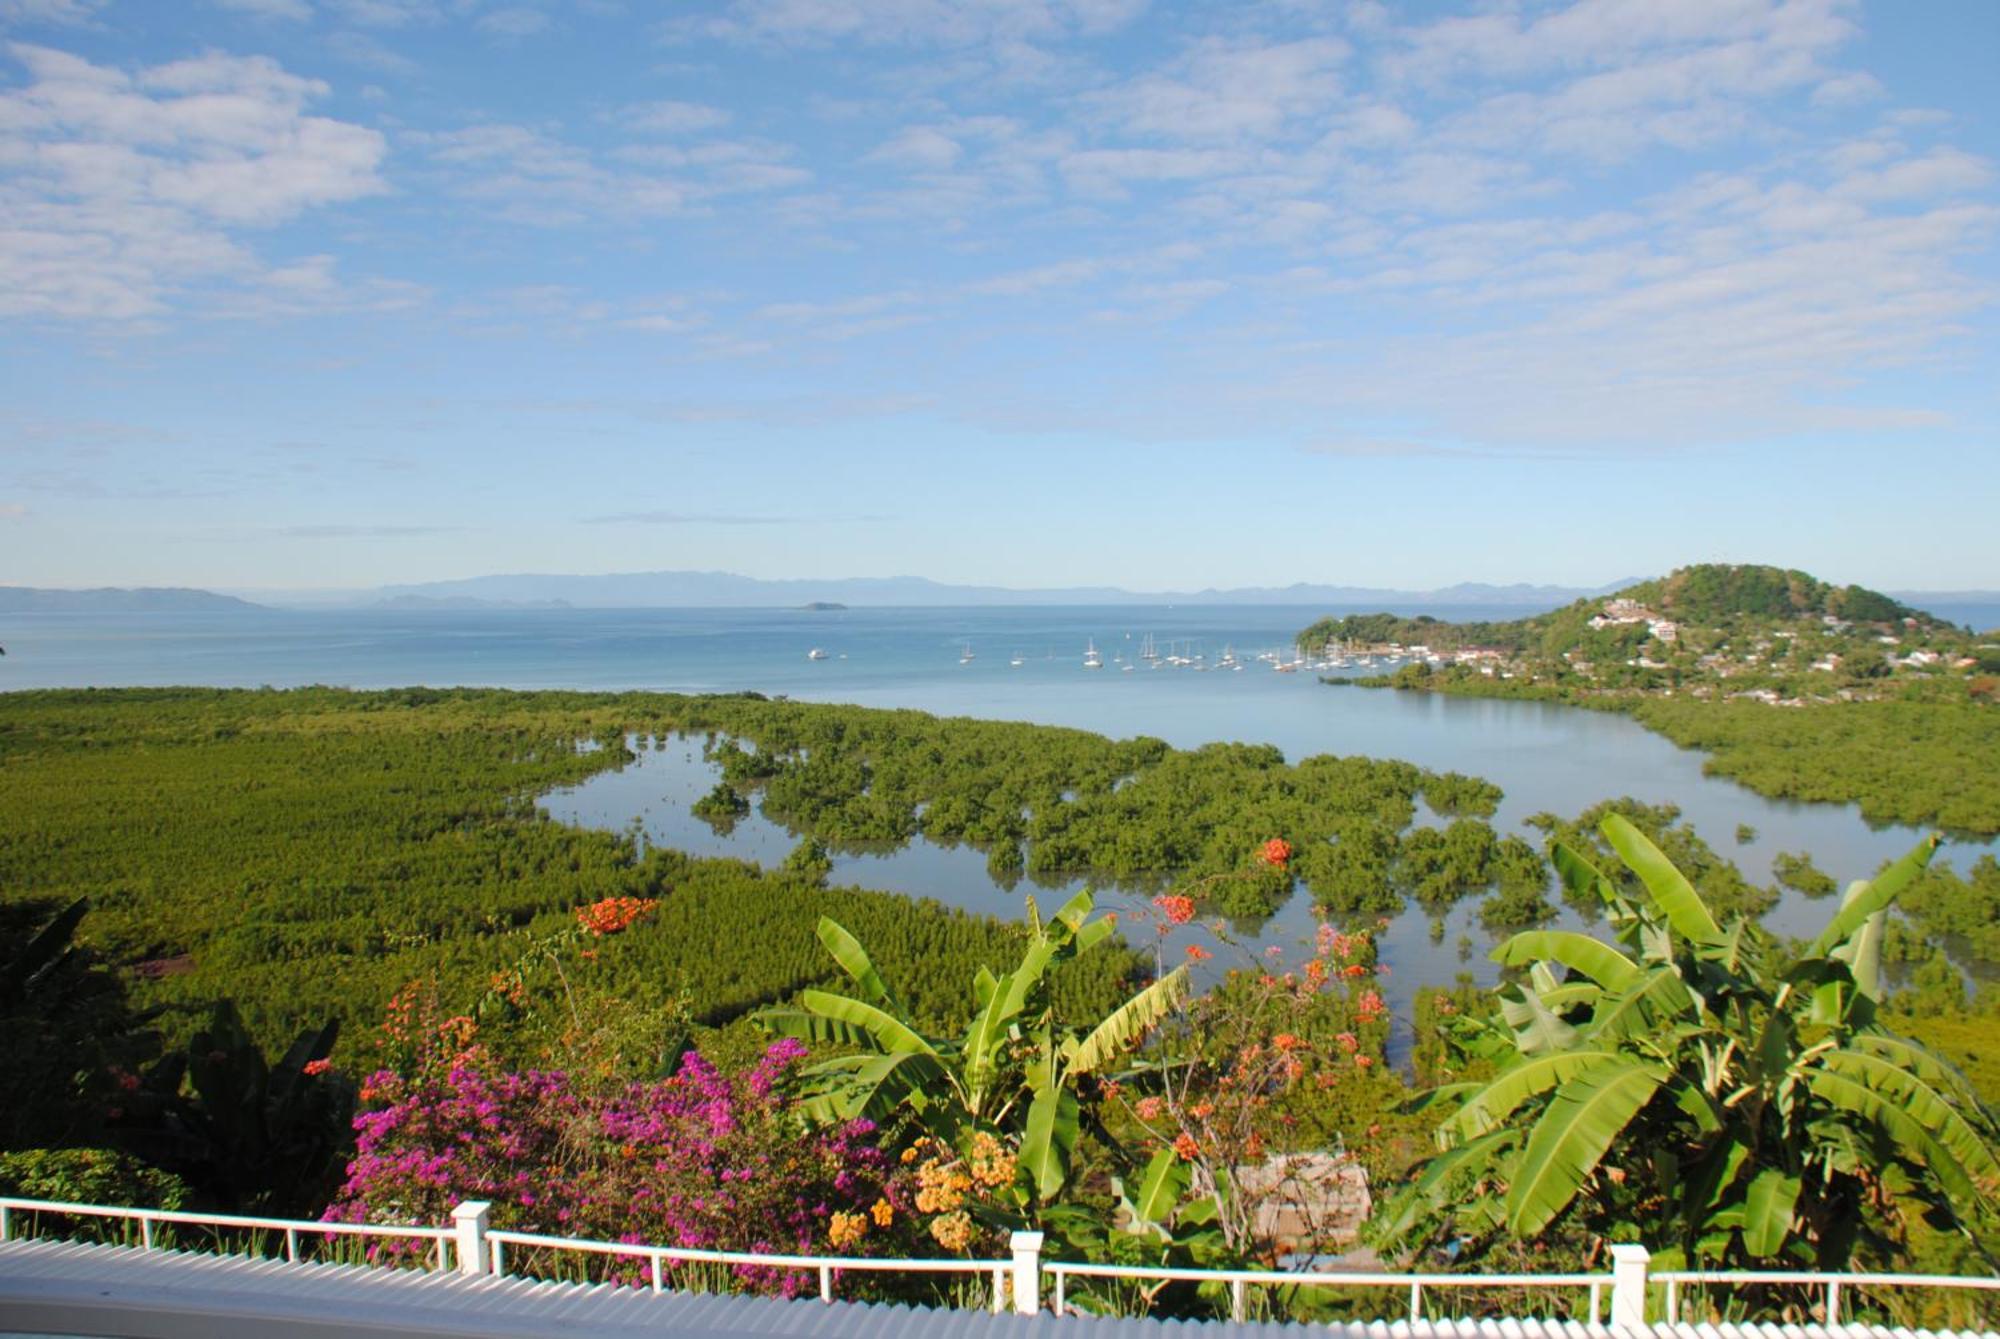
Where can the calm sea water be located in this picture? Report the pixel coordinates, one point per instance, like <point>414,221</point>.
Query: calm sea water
<point>1545,757</point>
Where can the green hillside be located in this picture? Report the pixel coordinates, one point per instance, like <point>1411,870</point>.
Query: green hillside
<point>1796,687</point>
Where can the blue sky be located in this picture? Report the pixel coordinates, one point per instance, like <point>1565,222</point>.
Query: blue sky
<point>303,293</point>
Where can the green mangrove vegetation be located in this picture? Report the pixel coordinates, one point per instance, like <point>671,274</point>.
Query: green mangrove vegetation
<point>1796,688</point>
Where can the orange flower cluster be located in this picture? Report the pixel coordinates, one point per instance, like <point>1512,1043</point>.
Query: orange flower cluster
<point>1178,908</point>
<point>1186,1147</point>
<point>1371,1006</point>
<point>315,1068</point>
<point>846,1229</point>
<point>990,1162</point>
<point>1276,852</point>
<point>1196,953</point>
<point>613,914</point>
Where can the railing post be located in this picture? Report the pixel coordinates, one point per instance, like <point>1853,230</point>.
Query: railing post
<point>1832,1303</point>
<point>1027,1272</point>
<point>6,1222</point>
<point>1628,1286</point>
<point>1239,1301</point>
<point>826,1283</point>
<point>468,1225</point>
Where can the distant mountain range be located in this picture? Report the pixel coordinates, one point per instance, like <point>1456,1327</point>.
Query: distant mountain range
<point>726,590</point>
<point>116,600</point>
<point>638,590</point>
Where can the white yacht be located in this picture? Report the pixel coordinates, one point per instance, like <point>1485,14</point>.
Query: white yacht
<point>966,657</point>
<point>1018,660</point>
<point>1092,660</point>
<point>816,653</point>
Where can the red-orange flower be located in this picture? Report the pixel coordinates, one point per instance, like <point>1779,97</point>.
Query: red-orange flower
<point>1196,953</point>
<point>1186,1147</point>
<point>1276,852</point>
<point>1177,907</point>
<point>317,1067</point>
<point>613,914</point>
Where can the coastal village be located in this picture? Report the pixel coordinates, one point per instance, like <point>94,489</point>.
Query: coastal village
<point>1626,643</point>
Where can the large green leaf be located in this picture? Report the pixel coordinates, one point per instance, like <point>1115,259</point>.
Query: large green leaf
<point>1529,1079</point>
<point>1924,1105</point>
<point>1865,899</point>
<point>1916,1142</point>
<point>1048,1139</point>
<point>869,1085</point>
<point>988,1031</point>
<point>1767,1211</point>
<point>1672,893</point>
<point>1127,1024</point>
<point>1536,1028</point>
<point>1925,1064</point>
<point>48,946</point>
<point>887,1032</point>
<point>854,960</point>
<point>1160,1190</point>
<point>1581,877</point>
<point>1579,953</point>
<point>1643,1007</point>
<point>814,1029</point>
<point>1478,1157</point>
<point>1585,1116</point>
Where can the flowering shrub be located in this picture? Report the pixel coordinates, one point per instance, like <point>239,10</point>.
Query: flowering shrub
<point>612,914</point>
<point>700,1159</point>
<point>1248,1074</point>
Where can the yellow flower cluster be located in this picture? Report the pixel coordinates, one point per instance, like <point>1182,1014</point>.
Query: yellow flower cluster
<point>953,1231</point>
<point>846,1229</point>
<point>883,1212</point>
<point>992,1165</point>
<point>941,1187</point>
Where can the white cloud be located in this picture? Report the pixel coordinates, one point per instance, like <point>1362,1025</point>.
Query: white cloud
<point>513,21</point>
<point>50,13</point>
<point>1228,91</point>
<point>536,177</point>
<point>919,148</point>
<point>671,118</point>
<point>953,23</point>
<point>295,11</point>
<point>123,189</point>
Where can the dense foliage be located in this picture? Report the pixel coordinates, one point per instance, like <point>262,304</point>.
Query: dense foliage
<point>308,853</point>
<point>1796,688</point>
<point>1700,1090</point>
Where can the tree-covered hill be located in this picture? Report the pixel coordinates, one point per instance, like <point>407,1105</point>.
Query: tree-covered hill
<point>1797,687</point>
<point>1706,595</point>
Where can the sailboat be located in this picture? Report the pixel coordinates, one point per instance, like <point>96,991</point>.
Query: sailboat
<point>1091,660</point>
<point>1017,660</point>
<point>966,659</point>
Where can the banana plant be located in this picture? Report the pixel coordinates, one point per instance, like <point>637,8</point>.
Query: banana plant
<point>1695,1087</point>
<point>248,1133</point>
<point>1017,1067</point>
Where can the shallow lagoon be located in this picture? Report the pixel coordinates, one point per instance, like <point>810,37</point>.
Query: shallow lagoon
<point>1545,757</point>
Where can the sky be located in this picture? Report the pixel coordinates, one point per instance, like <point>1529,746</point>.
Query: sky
<point>331,293</point>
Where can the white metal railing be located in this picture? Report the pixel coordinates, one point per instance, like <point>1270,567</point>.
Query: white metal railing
<point>479,1249</point>
<point>826,1266</point>
<point>1676,1279</point>
<point>1241,1280</point>
<point>293,1228</point>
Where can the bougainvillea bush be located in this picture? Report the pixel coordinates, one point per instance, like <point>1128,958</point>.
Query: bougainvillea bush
<point>699,1159</point>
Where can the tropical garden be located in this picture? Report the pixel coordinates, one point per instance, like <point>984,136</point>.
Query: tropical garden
<point>318,953</point>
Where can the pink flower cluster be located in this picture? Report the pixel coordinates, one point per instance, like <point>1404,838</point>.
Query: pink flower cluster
<point>700,1159</point>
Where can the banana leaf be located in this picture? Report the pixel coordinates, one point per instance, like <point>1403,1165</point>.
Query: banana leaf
<point>1585,1116</point>
<point>1671,892</point>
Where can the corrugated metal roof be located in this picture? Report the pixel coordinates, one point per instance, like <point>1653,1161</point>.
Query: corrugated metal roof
<point>125,1293</point>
